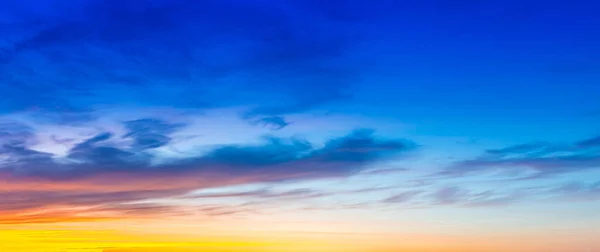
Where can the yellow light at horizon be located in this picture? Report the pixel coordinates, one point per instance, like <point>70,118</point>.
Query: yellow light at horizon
<point>98,241</point>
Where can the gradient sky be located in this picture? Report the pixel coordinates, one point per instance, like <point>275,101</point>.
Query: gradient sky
<point>299,125</point>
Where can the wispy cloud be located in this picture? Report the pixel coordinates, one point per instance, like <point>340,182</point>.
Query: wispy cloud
<point>541,159</point>
<point>272,122</point>
<point>106,169</point>
<point>403,197</point>
<point>449,195</point>
<point>577,191</point>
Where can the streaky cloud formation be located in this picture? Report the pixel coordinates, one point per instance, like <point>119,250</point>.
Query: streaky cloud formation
<point>114,170</point>
<point>543,159</point>
<point>579,191</point>
<point>403,197</point>
<point>149,133</point>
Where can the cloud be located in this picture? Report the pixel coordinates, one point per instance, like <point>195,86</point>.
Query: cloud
<point>521,149</point>
<point>385,171</point>
<point>150,133</point>
<point>67,207</point>
<point>273,197</point>
<point>12,133</point>
<point>265,194</point>
<point>577,191</point>
<point>490,199</point>
<point>539,159</point>
<point>589,143</point>
<point>403,197</point>
<point>339,155</point>
<point>275,155</point>
<point>35,200</point>
<point>137,210</point>
<point>273,122</point>
<point>463,197</point>
<point>108,170</point>
<point>449,195</point>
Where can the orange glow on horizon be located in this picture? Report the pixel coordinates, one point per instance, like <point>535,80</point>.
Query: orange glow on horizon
<point>21,238</point>
<point>81,238</point>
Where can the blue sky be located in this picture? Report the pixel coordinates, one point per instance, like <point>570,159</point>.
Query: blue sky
<point>459,108</point>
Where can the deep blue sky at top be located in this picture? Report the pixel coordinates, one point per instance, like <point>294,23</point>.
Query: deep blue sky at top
<point>451,67</point>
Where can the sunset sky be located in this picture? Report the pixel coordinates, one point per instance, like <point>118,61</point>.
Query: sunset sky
<point>299,125</point>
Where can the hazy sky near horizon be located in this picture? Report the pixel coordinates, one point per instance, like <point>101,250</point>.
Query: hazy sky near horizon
<point>435,125</point>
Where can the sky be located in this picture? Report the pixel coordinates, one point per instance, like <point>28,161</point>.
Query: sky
<point>299,125</point>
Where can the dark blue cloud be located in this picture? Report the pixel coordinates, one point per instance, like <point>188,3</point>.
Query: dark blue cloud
<point>12,133</point>
<point>274,158</point>
<point>106,157</point>
<point>361,146</point>
<point>150,133</point>
<point>589,143</point>
<point>338,156</point>
<point>274,122</point>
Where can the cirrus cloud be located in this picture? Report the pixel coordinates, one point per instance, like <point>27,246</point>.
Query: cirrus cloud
<point>106,170</point>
